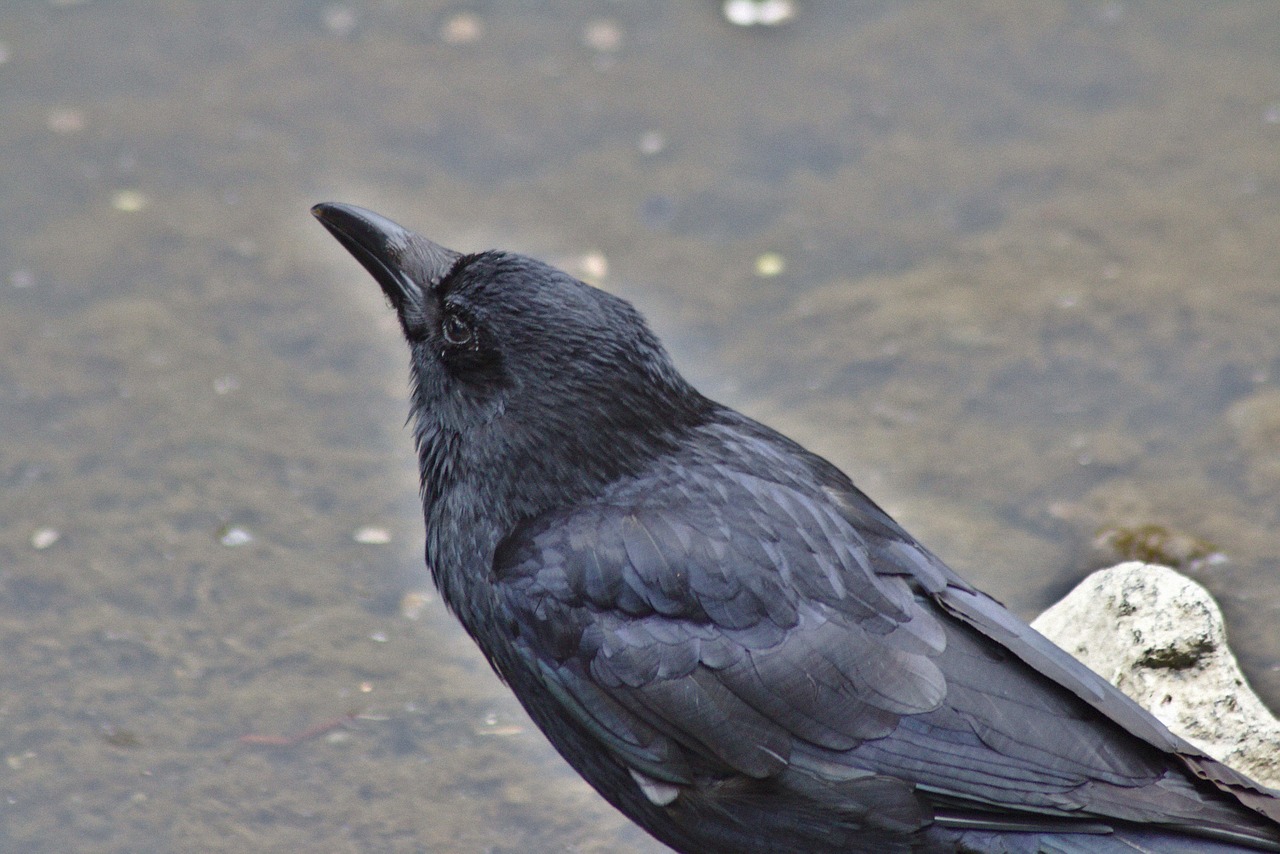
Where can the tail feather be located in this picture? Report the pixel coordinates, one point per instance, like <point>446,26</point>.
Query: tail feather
<point>1123,841</point>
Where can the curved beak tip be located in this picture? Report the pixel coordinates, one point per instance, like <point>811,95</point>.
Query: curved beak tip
<point>402,262</point>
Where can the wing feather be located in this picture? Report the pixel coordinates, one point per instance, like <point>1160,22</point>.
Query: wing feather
<point>719,624</point>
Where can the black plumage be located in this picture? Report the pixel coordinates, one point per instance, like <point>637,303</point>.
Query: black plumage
<point>718,630</point>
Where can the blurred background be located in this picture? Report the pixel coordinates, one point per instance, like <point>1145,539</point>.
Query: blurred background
<point>1013,265</point>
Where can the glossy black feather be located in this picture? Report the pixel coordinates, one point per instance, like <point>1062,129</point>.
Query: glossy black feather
<point>727,639</point>
<point>865,671</point>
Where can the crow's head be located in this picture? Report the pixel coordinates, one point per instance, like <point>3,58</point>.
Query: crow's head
<point>523,375</point>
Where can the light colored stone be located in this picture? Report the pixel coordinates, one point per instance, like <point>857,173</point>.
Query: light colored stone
<point>1160,637</point>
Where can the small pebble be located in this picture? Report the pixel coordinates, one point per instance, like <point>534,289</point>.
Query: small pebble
<point>462,28</point>
<point>603,36</point>
<point>66,120</point>
<point>764,13</point>
<point>339,20</point>
<point>44,538</point>
<point>232,535</point>
<point>4,53</point>
<point>17,761</point>
<point>770,264</point>
<point>129,201</point>
<point>653,142</point>
<point>21,278</point>
<point>1272,114</point>
<point>490,724</point>
<point>412,603</point>
<point>370,535</point>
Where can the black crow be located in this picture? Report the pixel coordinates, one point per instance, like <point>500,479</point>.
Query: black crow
<point>718,630</point>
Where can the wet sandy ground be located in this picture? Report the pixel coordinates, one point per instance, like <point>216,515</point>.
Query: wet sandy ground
<point>1014,267</point>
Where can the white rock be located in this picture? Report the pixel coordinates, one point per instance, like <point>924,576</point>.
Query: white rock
<point>1159,637</point>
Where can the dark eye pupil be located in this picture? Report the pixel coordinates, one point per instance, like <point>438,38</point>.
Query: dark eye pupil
<point>456,330</point>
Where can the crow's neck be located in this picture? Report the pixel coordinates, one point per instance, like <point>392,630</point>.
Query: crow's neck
<point>476,490</point>
<point>465,520</point>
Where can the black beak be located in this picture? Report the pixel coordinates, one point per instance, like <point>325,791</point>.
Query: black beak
<point>402,262</point>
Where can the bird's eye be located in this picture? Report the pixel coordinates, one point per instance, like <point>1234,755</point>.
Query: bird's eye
<point>456,331</point>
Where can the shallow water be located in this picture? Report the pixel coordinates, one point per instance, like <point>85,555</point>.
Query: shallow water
<point>1015,270</point>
